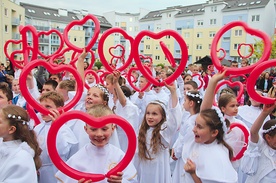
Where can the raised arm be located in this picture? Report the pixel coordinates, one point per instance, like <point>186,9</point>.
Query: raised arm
<point>118,90</point>
<point>174,97</point>
<point>210,91</point>
<point>254,131</point>
<point>80,65</point>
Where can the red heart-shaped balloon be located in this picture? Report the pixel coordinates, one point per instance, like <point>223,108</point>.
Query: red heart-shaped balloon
<point>200,79</point>
<point>75,56</point>
<point>111,50</point>
<point>102,77</point>
<point>251,82</point>
<point>101,48</point>
<point>60,43</point>
<point>240,75</point>
<point>131,83</point>
<point>61,57</point>
<point>95,74</point>
<point>97,123</point>
<point>32,114</point>
<point>16,63</point>
<point>52,69</point>
<point>145,59</point>
<point>183,59</point>
<point>81,22</point>
<point>168,54</point>
<point>246,138</point>
<point>231,84</point>
<point>251,48</point>
<point>254,32</point>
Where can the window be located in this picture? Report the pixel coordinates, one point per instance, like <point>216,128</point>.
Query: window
<point>199,46</point>
<point>75,38</point>
<point>6,28</point>
<point>130,19</point>
<point>212,34</point>
<point>213,21</point>
<point>179,30</point>
<point>157,47</point>
<point>199,35</point>
<point>136,19</point>
<point>6,12</point>
<point>136,28</point>
<point>238,32</point>
<point>130,29</point>
<point>158,27</point>
<point>148,37</point>
<point>117,24</point>
<point>168,37</point>
<point>148,27</point>
<point>214,9</point>
<point>168,25</point>
<point>198,58</point>
<point>147,47</point>
<point>169,15</point>
<point>177,51</point>
<point>255,18</point>
<point>236,46</point>
<point>200,22</point>
<point>20,17</point>
<point>157,57</point>
<point>186,35</point>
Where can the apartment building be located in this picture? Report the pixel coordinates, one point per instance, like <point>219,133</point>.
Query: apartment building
<point>12,15</point>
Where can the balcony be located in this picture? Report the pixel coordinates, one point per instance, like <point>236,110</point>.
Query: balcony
<point>87,34</point>
<point>43,40</point>
<point>55,42</point>
<point>15,22</point>
<point>42,28</point>
<point>59,29</point>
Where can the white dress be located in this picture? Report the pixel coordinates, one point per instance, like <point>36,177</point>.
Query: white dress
<point>158,169</point>
<point>65,140</point>
<point>212,162</point>
<point>98,160</point>
<point>259,163</point>
<point>17,163</point>
<point>187,126</point>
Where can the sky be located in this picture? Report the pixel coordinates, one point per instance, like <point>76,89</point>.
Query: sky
<point>99,7</point>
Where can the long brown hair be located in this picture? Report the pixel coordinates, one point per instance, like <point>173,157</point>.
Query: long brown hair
<point>155,142</point>
<point>23,131</point>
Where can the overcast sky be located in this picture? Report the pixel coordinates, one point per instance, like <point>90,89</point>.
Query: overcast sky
<point>101,6</point>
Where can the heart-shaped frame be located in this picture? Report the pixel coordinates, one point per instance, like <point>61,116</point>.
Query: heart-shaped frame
<point>97,123</point>
<point>131,82</point>
<point>251,82</point>
<point>81,22</point>
<point>101,48</point>
<point>52,69</point>
<point>200,79</point>
<point>254,32</point>
<point>88,71</point>
<point>246,139</point>
<point>168,54</point>
<point>251,48</point>
<point>114,48</point>
<point>183,60</point>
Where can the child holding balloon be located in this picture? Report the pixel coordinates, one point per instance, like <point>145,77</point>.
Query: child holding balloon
<point>99,156</point>
<point>260,157</point>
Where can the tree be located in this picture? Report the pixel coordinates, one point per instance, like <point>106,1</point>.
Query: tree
<point>259,48</point>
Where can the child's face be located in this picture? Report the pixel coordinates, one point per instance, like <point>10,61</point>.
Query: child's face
<point>187,78</point>
<point>93,97</point>
<point>187,104</point>
<point>231,109</point>
<point>153,115</point>
<point>109,86</point>
<point>203,133</point>
<point>3,100</point>
<point>142,82</point>
<point>48,104</point>
<point>157,89</point>
<point>271,141</point>
<point>195,70</point>
<point>99,136</point>
<point>90,78</point>
<point>6,130</point>
<point>55,77</point>
<point>47,88</point>
<point>15,86</point>
<point>188,87</point>
<point>63,92</point>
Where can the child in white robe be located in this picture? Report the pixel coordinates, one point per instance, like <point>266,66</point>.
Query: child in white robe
<point>65,137</point>
<point>99,156</point>
<point>19,149</point>
<point>157,128</point>
<point>259,161</point>
<point>207,157</point>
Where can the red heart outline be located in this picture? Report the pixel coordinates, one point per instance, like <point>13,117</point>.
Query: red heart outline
<point>168,54</point>
<point>88,71</point>
<point>101,48</point>
<point>145,58</point>
<point>251,81</point>
<point>246,138</point>
<point>47,33</point>
<point>131,82</point>
<point>114,48</point>
<point>102,77</point>
<point>60,55</point>
<point>224,54</point>
<point>254,32</point>
<point>74,59</point>
<point>81,22</point>
<point>97,123</point>
<point>200,79</point>
<point>240,75</point>
<point>52,69</point>
<point>32,114</point>
<point>231,84</point>
<point>16,63</point>
<point>244,44</point>
<point>184,56</point>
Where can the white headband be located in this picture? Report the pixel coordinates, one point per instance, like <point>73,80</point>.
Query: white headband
<point>222,120</point>
<point>270,129</point>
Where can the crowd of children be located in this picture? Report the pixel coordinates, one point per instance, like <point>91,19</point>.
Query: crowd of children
<point>183,131</point>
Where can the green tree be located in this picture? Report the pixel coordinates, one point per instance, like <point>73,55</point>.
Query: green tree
<point>98,64</point>
<point>259,48</point>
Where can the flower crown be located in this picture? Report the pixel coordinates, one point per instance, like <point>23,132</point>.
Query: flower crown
<point>102,88</point>
<point>12,116</point>
<point>270,129</point>
<point>194,96</point>
<point>222,120</point>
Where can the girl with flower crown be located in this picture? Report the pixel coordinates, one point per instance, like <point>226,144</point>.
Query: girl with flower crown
<point>259,161</point>
<point>155,134</point>
<point>207,157</point>
<point>19,150</point>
